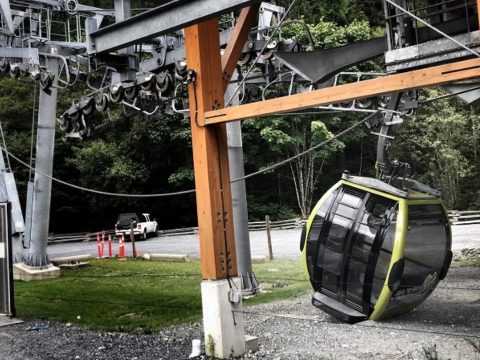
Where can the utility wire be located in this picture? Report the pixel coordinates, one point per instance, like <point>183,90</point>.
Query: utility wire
<point>313,148</point>
<point>269,168</point>
<point>93,190</point>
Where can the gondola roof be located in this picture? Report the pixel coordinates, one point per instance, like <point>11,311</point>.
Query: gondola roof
<point>402,188</point>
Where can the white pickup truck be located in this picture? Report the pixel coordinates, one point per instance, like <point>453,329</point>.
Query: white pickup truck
<point>142,225</point>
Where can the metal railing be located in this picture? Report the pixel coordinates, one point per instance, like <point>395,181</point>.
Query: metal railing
<point>456,217</point>
<point>464,217</point>
<point>252,226</point>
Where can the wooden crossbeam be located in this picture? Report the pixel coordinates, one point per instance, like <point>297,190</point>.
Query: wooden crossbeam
<point>210,156</point>
<point>238,38</point>
<point>432,76</point>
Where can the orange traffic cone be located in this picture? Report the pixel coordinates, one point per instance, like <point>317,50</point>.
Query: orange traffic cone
<point>99,247</point>
<point>103,244</point>
<point>121,247</point>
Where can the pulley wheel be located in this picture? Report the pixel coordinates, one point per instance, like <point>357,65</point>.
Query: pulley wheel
<point>88,109</point>
<point>364,103</point>
<point>116,97</point>
<point>15,72</point>
<point>131,93</point>
<point>149,84</point>
<point>163,82</point>
<point>65,123</point>
<point>4,65</point>
<point>180,70</point>
<point>101,102</point>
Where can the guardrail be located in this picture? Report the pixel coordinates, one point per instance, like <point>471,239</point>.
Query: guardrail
<point>456,218</point>
<point>74,237</point>
<point>252,226</point>
<point>464,217</point>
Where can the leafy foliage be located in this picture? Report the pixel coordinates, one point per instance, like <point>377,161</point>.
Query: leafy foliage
<point>135,154</point>
<point>440,142</point>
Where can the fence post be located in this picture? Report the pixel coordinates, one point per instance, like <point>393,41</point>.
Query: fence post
<point>269,237</point>
<point>110,253</point>
<point>132,239</point>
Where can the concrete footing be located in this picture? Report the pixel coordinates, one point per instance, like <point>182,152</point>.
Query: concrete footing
<point>29,273</point>
<point>7,320</point>
<point>251,344</point>
<point>223,320</point>
<point>168,257</point>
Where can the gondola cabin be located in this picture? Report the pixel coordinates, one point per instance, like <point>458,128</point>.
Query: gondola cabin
<point>373,250</point>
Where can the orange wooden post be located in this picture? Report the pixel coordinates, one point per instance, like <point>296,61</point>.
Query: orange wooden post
<point>237,40</point>
<point>478,12</point>
<point>222,319</point>
<point>210,157</point>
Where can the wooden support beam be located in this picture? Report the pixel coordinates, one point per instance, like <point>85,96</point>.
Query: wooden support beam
<point>210,156</point>
<point>478,12</point>
<point>432,76</point>
<point>237,40</point>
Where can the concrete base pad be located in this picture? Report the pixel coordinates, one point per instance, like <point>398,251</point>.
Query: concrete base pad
<point>6,320</point>
<point>251,343</point>
<point>168,257</point>
<point>29,273</point>
<point>223,321</point>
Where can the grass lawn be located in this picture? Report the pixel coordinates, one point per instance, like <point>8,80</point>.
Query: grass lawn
<point>138,295</point>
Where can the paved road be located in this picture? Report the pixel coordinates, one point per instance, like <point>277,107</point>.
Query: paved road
<point>285,244</point>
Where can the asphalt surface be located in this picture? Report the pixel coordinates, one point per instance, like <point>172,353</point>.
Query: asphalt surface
<point>285,244</point>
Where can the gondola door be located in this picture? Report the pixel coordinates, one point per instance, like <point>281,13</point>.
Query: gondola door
<point>349,245</point>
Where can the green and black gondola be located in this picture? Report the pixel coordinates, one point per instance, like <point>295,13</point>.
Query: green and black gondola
<point>372,250</point>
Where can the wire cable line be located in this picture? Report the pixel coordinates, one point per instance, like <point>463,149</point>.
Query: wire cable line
<point>177,193</point>
<point>313,148</point>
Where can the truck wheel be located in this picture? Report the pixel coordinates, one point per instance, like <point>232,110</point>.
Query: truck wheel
<point>144,235</point>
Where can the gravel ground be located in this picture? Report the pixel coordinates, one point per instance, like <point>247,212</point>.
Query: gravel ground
<point>291,329</point>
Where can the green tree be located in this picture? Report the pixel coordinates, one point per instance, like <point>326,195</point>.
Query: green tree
<point>440,143</point>
<point>291,135</point>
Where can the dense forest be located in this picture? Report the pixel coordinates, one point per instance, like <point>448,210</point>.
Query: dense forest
<point>133,153</point>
